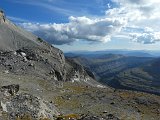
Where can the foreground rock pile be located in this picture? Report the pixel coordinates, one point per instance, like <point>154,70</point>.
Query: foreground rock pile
<point>16,105</point>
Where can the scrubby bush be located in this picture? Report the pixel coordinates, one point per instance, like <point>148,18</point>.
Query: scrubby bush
<point>39,39</point>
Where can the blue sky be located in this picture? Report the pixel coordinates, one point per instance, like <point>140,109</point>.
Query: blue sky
<point>53,11</point>
<point>89,24</point>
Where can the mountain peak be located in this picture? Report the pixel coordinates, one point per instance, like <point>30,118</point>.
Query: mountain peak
<point>2,16</point>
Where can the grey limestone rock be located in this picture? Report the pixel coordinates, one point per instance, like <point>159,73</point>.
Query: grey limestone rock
<point>21,104</point>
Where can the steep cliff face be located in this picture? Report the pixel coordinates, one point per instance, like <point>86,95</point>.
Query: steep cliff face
<point>23,52</point>
<point>77,73</point>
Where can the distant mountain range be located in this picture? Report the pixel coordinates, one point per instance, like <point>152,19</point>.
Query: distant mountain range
<point>133,70</point>
<point>142,78</point>
<point>136,53</point>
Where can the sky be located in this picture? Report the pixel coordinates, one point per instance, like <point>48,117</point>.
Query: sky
<point>92,25</point>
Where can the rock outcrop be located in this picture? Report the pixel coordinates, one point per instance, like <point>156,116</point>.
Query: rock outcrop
<point>10,90</point>
<point>77,73</point>
<point>17,105</point>
<point>2,16</point>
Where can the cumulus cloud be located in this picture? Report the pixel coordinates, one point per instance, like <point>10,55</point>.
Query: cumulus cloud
<point>141,13</point>
<point>125,12</point>
<point>78,28</point>
<point>117,21</point>
<point>145,36</point>
<point>136,9</point>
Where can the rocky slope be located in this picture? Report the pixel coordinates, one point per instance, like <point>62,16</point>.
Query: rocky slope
<point>39,83</point>
<point>16,105</point>
<point>22,52</point>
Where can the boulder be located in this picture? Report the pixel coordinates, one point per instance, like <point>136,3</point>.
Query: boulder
<point>10,89</point>
<point>18,105</point>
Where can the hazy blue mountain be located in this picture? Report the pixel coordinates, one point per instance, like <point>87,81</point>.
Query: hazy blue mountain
<point>139,54</point>
<point>136,53</point>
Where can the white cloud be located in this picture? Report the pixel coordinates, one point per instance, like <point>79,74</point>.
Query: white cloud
<point>136,9</point>
<point>145,36</point>
<point>144,15</point>
<point>78,28</point>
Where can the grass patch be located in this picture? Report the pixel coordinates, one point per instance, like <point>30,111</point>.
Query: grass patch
<point>25,117</point>
<point>39,39</point>
<point>68,117</point>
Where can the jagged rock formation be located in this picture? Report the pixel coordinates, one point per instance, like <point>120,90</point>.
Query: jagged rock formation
<point>2,16</point>
<point>76,72</point>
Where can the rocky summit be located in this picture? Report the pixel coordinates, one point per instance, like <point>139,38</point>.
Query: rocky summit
<point>39,83</point>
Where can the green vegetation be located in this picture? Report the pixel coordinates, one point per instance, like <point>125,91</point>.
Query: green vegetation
<point>39,39</point>
<point>28,117</point>
<point>25,117</point>
<point>68,117</point>
<point>80,99</point>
